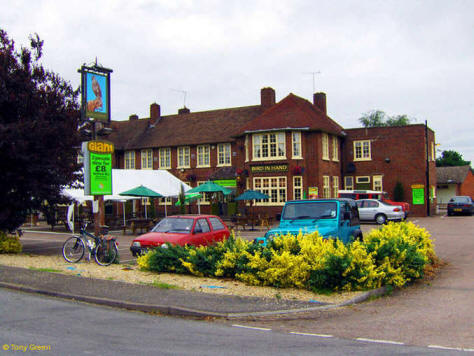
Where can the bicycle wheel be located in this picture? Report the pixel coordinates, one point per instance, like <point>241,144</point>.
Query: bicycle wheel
<point>105,253</point>
<point>73,249</point>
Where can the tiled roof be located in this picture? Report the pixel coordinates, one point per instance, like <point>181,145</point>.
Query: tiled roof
<point>186,129</point>
<point>293,112</point>
<point>457,175</point>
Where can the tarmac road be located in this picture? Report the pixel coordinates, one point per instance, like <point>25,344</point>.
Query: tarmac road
<point>439,312</point>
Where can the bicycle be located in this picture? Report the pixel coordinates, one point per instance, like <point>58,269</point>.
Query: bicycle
<point>103,247</point>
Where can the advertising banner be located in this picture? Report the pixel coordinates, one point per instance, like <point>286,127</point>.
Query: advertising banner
<point>418,196</point>
<point>312,192</point>
<point>98,167</point>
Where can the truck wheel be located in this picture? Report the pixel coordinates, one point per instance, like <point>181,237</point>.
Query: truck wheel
<point>380,219</point>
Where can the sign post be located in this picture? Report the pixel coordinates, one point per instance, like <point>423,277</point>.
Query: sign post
<point>98,175</point>
<point>95,106</point>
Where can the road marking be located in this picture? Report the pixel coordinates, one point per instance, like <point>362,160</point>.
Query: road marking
<point>310,334</point>
<point>446,348</point>
<point>380,341</point>
<point>250,327</point>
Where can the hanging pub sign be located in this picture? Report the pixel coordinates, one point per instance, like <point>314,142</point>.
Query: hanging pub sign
<point>97,167</point>
<point>95,90</point>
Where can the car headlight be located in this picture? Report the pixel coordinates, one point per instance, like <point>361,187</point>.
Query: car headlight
<point>164,246</point>
<point>136,244</point>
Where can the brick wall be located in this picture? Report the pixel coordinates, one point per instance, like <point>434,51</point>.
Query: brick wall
<point>398,154</point>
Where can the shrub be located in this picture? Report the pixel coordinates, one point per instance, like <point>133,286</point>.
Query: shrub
<point>392,255</point>
<point>9,243</point>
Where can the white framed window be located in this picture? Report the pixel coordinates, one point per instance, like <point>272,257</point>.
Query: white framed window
<point>274,187</point>
<point>325,146</point>
<point>377,183</point>
<point>223,154</point>
<point>165,158</point>
<point>203,154</point>
<point>335,186</point>
<point>362,180</point>
<point>296,144</point>
<point>129,159</point>
<point>269,146</point>
<point>362,150</point>
<point>335,148</point>
<point>205,197</point>
<point>349,183</point>
<point>326,187</point>
<point>183,157</point>
<point>165,201</point>
<point>147,158</point>
<point>297,187</point>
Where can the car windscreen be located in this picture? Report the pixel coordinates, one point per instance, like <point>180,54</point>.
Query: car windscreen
<point>179,225</point>
<point>316,210</point>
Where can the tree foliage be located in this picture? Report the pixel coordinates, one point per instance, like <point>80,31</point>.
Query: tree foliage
<point>39,114</point>
<point>450,159</point>
<point>378,118</point>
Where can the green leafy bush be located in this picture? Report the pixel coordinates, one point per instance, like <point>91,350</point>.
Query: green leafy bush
<point>9,243</point>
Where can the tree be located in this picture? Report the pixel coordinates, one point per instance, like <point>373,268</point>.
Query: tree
<point>378,118</point>
<point>451,159</point>
<point>39,116</point>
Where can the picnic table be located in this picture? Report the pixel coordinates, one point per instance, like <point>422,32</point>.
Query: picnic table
<point>135,224</point>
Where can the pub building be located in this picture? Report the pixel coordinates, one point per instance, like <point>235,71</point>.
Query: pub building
<point>289,150</point>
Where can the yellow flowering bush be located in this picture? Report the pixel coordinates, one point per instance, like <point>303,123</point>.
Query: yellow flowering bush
<point>392,255</point>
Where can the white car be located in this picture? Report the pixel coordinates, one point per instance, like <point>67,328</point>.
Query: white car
<point>378,211</point>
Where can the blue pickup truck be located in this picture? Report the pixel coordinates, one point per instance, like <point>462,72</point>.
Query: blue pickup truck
<point>332,218</point>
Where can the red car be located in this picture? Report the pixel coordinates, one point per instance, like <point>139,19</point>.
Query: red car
<point>195,230</point>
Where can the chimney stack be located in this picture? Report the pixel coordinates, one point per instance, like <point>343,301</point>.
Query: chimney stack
<point>319,100</point>
<point>155,114</point>
<point>267,97</point>
<point>133,117</point>
<point>184,110</point>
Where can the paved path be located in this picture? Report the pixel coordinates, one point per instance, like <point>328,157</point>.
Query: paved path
<point>438,312</point>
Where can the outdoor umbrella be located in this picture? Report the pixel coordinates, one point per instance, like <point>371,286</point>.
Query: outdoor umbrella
<point>141,191</point>
<point>188,198</point>
<point>209,187</point>
<point>251,195</point>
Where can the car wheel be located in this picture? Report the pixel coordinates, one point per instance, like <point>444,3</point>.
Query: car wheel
<point>450,213</point>
<point>380,219</point>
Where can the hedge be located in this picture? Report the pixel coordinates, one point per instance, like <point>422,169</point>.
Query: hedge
<point>9,243</point>
<point>394,255</point>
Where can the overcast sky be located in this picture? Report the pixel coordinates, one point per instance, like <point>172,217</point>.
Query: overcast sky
<point>402,57</point>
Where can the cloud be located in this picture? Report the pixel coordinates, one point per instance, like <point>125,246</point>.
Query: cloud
<point>414,59</point>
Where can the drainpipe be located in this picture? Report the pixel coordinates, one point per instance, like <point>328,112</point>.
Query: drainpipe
<point>427,170</point>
